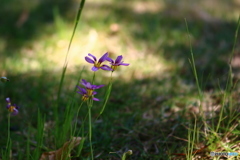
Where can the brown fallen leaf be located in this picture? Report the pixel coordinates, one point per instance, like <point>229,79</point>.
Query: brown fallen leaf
<point>194,152</point>
<point>62,153</point>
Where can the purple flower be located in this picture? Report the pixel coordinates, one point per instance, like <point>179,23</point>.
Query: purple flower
<point>12,108</point>
<point>98,64</point>
<point>117,62</point>
<point>85,95</point>
<point>88,91</point>
<point>88,85</point>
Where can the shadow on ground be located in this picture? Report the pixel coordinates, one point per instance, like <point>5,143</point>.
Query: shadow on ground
<point>23,21</point>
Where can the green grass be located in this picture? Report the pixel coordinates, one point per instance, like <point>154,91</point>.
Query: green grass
<point>154,107</point>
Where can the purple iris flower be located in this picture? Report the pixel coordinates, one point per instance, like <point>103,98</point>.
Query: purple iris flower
<point>117,62</point>
<point>85,95</point>
<point>12,108</point>
<point>98,64</point>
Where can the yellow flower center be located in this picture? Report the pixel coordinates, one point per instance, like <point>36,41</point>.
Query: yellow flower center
<point>89,92</point>
<point>11,108</point>
<point>114,67</point>
<point>85,98</point>
<point>98,64</point>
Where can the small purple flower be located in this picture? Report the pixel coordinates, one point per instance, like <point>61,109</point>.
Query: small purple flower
<point>85,95</point>
<point>88,85</point>
<point>98,64</point>
<point>117,62</point>
<point>88,92</point>
<point>12,108</point>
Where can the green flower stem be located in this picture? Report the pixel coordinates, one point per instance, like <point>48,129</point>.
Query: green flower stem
<point>8,129</point>
<point>90,126</point>
<point>75,127</point>
<point>93,77</point>
<point>106,95</point>
<point>8,136</point>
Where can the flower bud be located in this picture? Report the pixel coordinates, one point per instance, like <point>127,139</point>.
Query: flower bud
<point>4,79</point>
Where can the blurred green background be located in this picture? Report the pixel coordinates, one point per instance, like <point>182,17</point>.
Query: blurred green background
<point>151,96</point>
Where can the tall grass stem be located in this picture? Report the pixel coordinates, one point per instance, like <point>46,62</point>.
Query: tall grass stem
<point>229,84</point>
<point>192,63</point>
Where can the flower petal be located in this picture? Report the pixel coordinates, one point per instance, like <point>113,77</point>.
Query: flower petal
<point>83,90</point>
<point>103,58</point>
<point>15,112</point>
<point>89,86</point>
<point>118,59</point>
<point>109,59</point>
<point>89,60</point>
<point>80,92</point>
<point>105,67</point>
<point>8,100</point>
<point>84,82</point>
<point>95,59</point>
<point>94,68</point>
<point>97,87</point>
<point>95,99</point>
<point>17,107</point>
<point>124,64</point>
<point>78,87</point>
